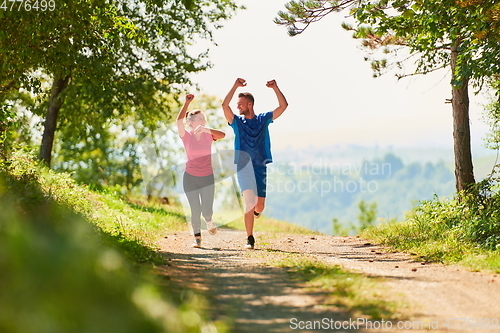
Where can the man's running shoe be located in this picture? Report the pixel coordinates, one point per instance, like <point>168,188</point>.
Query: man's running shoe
<point>250,242</point>
<point>197,241</point>
<point>256,215</point>
<point>212,228</point>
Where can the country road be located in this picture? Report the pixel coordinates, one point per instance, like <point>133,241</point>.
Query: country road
<point>263,298</point>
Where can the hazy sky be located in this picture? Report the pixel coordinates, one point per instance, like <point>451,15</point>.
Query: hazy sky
<point>333,98</point>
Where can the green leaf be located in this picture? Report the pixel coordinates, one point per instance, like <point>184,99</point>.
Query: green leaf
<point>408,13</point>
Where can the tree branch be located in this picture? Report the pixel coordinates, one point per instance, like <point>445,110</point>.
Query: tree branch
<point>306,12</point>
<point>402,76</point>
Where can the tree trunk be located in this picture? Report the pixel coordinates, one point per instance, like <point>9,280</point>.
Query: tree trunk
<point>50,126</point>
<point>464,173</point>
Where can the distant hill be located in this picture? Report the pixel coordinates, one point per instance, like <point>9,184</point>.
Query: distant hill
<point>310,187</point>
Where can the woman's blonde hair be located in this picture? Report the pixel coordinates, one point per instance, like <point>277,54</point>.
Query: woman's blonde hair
<point>190,115</point>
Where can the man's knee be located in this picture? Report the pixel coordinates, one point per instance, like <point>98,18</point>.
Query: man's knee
<point>259,207</point>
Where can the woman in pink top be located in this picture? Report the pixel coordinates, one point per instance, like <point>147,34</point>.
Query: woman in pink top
<point>198,178</point>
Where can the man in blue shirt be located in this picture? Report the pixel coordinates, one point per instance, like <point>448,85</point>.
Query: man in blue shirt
<point>252,143</point>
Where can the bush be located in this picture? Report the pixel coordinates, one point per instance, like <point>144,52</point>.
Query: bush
<point>465,228</point>
<point>482,225</point>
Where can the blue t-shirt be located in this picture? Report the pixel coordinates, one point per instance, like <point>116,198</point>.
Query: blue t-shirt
<point>252,137</point>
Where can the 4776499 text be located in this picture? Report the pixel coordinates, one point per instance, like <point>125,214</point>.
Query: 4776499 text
<point>27,5</point>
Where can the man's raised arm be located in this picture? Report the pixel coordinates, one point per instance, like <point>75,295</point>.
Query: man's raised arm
<point>283,104</point>
<point>228,113</point>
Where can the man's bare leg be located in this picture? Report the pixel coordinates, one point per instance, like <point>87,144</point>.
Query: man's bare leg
<point>250,203</point>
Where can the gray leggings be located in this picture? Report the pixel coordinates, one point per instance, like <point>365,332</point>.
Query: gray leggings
<point>200,193</point>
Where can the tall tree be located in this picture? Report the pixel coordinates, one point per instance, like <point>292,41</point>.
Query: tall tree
<point>112,52</point>
<point>459,34</point>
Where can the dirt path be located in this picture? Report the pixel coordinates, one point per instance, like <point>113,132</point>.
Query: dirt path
<point>263,298</point>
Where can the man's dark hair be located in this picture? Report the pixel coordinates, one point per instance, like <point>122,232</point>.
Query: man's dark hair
<point>248,96</point>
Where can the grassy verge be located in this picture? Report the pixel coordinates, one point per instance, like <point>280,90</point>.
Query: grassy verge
<point>357,294</point>
<point>449,231</point>
<point>73,260</point>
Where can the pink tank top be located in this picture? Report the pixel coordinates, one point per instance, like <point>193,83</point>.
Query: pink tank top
<point>199,153</point>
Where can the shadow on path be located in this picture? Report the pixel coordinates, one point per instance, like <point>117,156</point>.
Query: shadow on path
<point>242,291</point>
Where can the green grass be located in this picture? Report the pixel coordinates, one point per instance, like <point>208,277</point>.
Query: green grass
<point>449,231</point>
<point>73,260</point>
<point>134,228</point>
<point>355,293</point>
<point>421,240</point>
